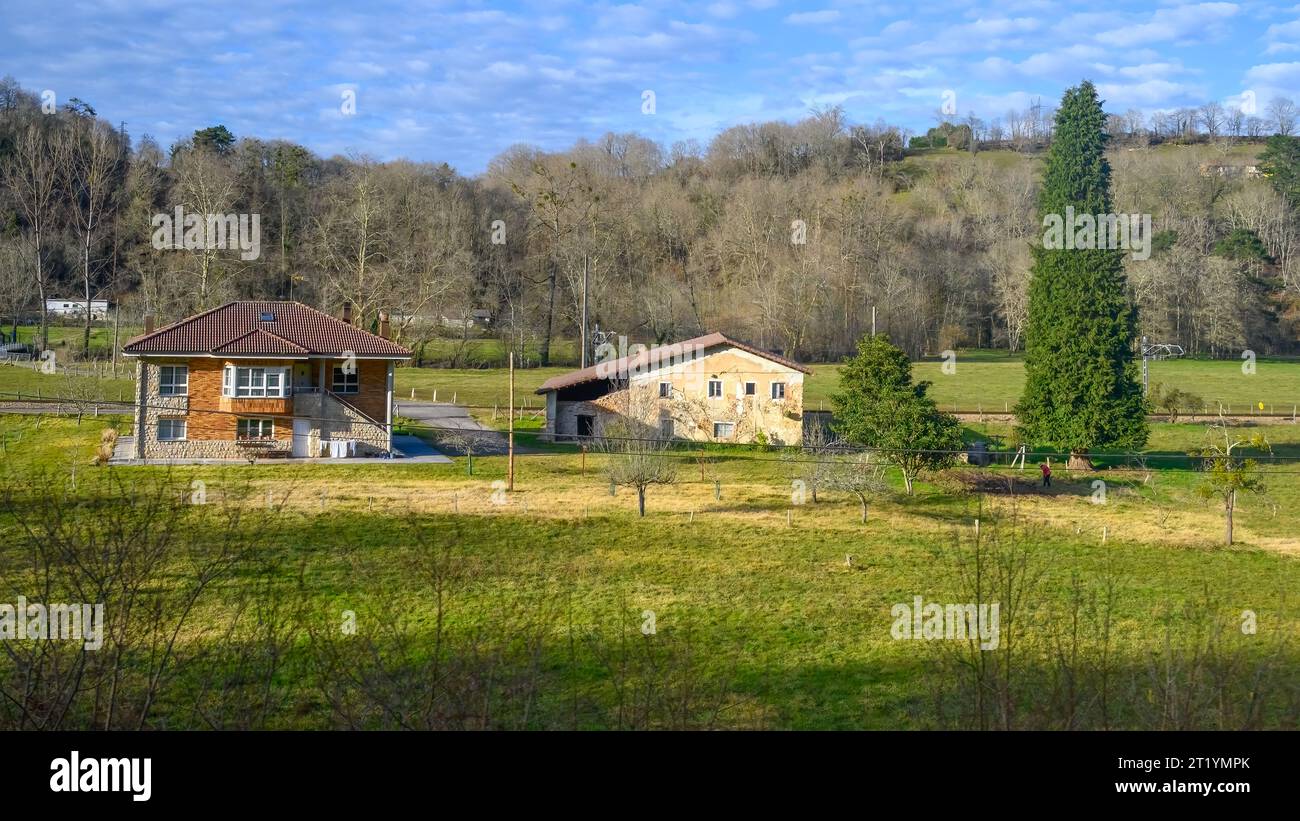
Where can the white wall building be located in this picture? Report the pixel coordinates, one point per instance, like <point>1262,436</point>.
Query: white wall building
<point>72,306</point>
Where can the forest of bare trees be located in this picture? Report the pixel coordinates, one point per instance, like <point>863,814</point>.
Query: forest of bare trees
<point>787,234</point>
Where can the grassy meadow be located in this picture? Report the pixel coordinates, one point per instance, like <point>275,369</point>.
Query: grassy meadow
<point>727,606</point>
<point>983,380</point>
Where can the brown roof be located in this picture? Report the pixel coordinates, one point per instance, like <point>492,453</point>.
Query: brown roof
<point>237,329</point>
<point>653,357</point>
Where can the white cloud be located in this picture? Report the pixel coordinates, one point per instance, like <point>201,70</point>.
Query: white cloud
<point>810,18</point>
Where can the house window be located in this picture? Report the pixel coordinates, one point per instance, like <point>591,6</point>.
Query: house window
<point>174,380</point>
<point>171,430</point>
<point>751,388</point>
<point>723,430</point>
<point>255,429</point>
<point>715,388</point>
<point>778,390</point>
<point>270,383</point>
<point>665,390</point>
<point>345,382</point>
<point>666,428</point>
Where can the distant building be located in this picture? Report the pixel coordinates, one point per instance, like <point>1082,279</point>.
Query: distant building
<point>480,318</point>
<point>708,389</point>
<point>1229,170</point>
<point>77,307</point>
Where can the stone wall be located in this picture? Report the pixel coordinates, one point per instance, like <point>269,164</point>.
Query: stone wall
<point>211,420</point>
<point>335,419</point>
<point>690,407</point>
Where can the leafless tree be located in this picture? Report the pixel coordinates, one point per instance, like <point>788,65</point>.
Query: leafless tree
<point>1282,115</point>
<point>33,178</point>
<point>90,152</point>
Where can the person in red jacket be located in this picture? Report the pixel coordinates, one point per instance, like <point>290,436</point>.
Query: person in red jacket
<point>1046,467</point>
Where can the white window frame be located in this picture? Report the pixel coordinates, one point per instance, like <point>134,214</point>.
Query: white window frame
<point>171,387</point>
<point>262,424</point>
<point>231,378</point>
<point>717,395</point>
<point>335,372</point>
<point>171,423</point>
<point>665,390</point>
<point>730,435</point>
<point>775,386</point>
<point>751,389</point>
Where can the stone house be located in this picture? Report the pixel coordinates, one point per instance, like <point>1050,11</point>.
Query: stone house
<point>708,389</point>
<point>263,379</point>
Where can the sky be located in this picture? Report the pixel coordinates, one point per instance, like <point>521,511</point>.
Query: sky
<point>460,82</point>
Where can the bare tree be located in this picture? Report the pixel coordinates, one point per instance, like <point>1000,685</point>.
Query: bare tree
<point>1227,472</point>
<point>637,458</point>
<point>32,175</point>
<point>861,474</point>
<point>205,186</point>
<point>1282,115</point>
<point>1212,117</point>
<point>91,154</point>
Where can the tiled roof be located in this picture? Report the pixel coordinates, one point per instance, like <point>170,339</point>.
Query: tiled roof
<point>260,341</point>
<point>237,328</point>
<point>653,357</point>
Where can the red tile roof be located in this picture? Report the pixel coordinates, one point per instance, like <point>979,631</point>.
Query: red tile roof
<point>653,357</point>
<point>237,329</point>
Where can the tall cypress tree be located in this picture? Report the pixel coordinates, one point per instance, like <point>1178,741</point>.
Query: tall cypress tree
<point>1081,375</point>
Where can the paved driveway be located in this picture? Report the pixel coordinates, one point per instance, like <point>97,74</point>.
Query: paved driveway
<point>456,426</point>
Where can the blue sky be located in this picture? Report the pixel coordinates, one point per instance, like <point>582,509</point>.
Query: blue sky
<point>461,81</point>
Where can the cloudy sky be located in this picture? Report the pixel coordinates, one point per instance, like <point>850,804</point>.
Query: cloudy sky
<point>461,81</point>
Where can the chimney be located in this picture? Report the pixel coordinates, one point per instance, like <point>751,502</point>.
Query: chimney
<point>149,321</point>
<point>347,311</point>
<point>383,324</point>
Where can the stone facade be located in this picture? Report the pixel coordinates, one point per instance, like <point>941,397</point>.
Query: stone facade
<point>695,415</point>
<point>211,420</point>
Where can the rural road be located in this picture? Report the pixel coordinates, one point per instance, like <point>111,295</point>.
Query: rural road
<point>488,442</point>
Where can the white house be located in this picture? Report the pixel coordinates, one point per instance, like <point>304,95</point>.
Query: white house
<point>72,306</point>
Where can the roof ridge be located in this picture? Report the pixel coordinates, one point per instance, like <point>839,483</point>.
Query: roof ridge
<point>252,331</point>
<point>349,324</point>
<point>284,338</point>
<point>178,323</point>
<point>653,355</point>
<point>299,328</point>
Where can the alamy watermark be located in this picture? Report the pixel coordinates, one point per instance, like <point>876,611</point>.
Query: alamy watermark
<point>623,361</point>
<point>69,622</point>
<point>1083,232</point>
<point>77,774</point>
<point>952,622</point>
<point>219,232</point>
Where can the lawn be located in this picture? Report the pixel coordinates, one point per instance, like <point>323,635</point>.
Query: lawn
<point>67,337</point>
<point>990,381</point>
<point>27,382</point>
<point>765,613</point>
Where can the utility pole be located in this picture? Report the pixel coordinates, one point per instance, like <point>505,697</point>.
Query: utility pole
<point>510,426</point>
<point>584,311</point>
<point>1160,350</point>
<point>117,324</point>
<point>1144,366</point>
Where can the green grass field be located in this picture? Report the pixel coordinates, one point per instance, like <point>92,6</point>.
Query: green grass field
<point>766,614</point>
<point>983,380</point>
